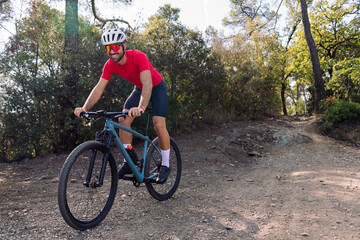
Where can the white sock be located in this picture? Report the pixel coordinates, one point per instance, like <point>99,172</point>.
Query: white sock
<point>165,157</point>
<point>125,145</point>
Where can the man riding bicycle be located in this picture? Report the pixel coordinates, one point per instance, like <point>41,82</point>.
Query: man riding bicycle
<point>135,67</point>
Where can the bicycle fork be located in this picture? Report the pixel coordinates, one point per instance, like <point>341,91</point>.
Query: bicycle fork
<point>103,165</point>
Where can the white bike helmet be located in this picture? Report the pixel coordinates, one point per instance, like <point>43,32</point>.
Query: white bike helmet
<point>113,36</point>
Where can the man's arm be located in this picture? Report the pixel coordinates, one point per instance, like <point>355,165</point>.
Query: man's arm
<point>94,96</point>
<point>146,80</point>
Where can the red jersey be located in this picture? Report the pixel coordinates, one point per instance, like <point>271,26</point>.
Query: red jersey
<point>136,62</point>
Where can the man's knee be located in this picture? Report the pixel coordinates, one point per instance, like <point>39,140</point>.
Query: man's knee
<point>160,126</point>
<point>125,121</point>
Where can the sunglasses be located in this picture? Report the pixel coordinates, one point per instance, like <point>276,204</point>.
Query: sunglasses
<point>114,47</point>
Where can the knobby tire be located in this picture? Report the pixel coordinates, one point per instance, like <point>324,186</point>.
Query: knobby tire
<point>166,190</point>
<point>84,207</point>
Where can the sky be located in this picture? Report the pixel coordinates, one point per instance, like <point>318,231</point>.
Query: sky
<point>195,14</point>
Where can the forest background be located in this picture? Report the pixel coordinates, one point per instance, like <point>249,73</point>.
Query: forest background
<point>51,63</point>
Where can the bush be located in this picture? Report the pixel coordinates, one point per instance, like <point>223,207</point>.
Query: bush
<point>341,111</point>
<point>338,111</point>
<point>3,159</point>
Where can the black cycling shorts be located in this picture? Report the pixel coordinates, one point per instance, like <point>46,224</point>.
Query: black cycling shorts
<point>158,99</point>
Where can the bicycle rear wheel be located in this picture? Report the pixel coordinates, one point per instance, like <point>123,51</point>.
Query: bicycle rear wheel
<point>82,205</point>
<point>153,161</point>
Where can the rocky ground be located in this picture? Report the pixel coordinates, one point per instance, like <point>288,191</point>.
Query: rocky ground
<point>271,179</point>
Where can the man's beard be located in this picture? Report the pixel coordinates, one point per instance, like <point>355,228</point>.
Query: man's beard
<point>117,59</point>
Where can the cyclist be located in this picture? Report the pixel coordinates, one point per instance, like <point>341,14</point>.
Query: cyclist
<point>135,67</point>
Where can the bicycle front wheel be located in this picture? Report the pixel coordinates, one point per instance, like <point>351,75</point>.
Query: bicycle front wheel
<point>153,161</point>
<point>84,200</point>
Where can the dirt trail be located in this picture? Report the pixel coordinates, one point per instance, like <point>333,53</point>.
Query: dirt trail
<point>273,179</point>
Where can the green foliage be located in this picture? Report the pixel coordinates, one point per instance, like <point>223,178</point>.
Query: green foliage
<point>40,90</point>
<point>345,82</point>
<point>300,107</point>
<point>208,81</point>
<point>194,74</point>
<point>338,111</point>
<point>6,11</point>
<point>43,83</point>
<point>253,75</point>
<point>335,27</point>
<point>249,14</point>
<point>254,59</point>
<point>341,111</point>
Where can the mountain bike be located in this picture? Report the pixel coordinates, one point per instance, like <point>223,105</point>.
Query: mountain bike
<point>89,177</point>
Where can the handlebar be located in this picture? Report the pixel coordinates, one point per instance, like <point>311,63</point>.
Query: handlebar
<point>103,114</point>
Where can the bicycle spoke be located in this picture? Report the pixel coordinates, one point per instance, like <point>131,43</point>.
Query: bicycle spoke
<point>85,205</point>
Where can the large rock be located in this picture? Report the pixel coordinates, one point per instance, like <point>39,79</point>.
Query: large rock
<point>290,140</point>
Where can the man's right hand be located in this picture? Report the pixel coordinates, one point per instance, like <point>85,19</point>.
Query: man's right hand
<point>79,110</point>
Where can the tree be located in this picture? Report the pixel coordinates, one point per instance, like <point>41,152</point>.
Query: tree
<point>251,58</point>
<point>24,86</point>
<point>106,20</point>
<point>317,74</point>
<point>38,102</point>
<point>71,26</point>
<point>5,10</point>
<point>193,72</point>
<point>251,15</point>
<point>345,82</point>
<point>336,33</point>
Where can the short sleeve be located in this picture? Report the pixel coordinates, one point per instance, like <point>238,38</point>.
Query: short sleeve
<point>142,62</point>
<point>107,71</point>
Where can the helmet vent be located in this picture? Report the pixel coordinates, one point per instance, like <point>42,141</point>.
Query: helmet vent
<point>119,37</point>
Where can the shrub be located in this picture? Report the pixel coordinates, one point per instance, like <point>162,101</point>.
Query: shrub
<point>341,111</point>
<point>338,111</point>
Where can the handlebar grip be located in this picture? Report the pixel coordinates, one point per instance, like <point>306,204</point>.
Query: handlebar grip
<point>85,115</point>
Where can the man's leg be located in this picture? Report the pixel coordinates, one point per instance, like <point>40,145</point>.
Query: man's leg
<point>164,143</point>
<point>126,137</point>
<point>131,101</point>
<point>161,131</point>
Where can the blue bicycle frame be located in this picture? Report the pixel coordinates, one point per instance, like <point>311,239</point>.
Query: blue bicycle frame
<point>110,127</point>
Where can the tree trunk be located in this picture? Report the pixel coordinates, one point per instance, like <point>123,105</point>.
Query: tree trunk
<point>318,81</point>
<point>283,99</point>
<point>68,137</point>
<point>305,99</point>
<point>71,26</point>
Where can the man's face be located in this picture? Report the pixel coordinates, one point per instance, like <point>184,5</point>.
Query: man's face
<point>114,55</point>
